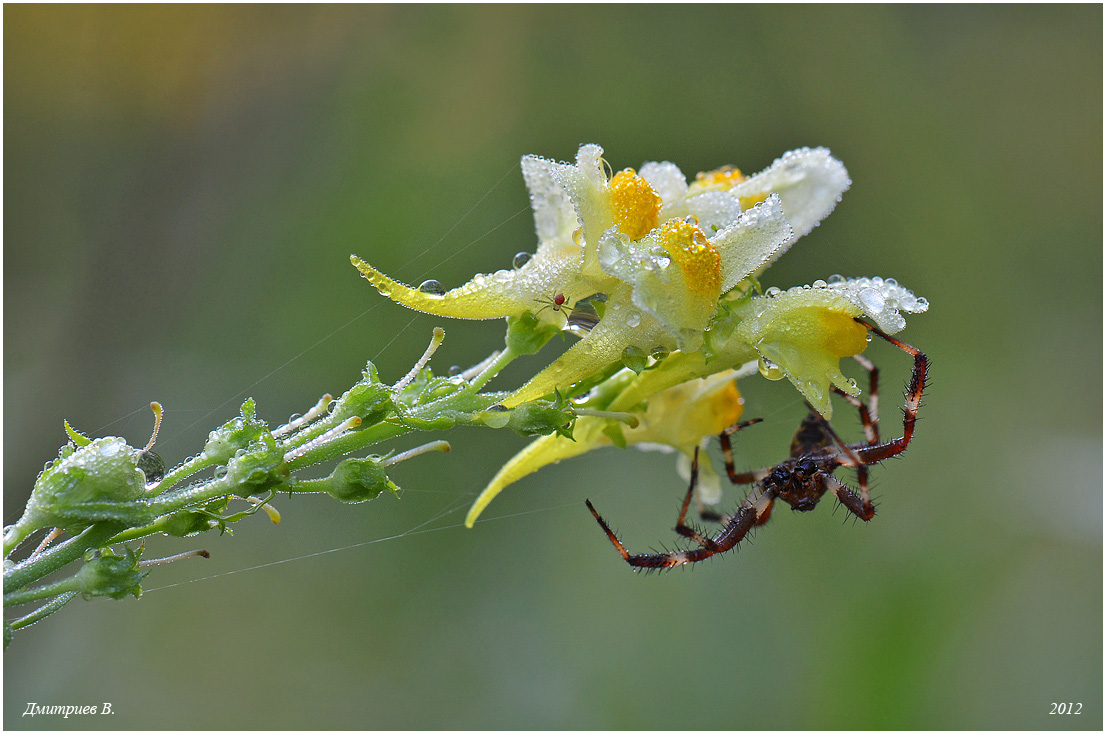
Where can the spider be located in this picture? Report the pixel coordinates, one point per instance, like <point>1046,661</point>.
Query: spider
<point>556,303</point>
<point>802,478</point>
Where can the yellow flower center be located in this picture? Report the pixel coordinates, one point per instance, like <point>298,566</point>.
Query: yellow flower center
<point>724,178</point>
<point>636,205</point>
<point>699,260</point>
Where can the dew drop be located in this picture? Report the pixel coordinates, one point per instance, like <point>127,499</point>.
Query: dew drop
<point>772,292</point>
<point>819,284</point>
<point>496,416</point>
<point>520,259</point>
<point>455,370</point>
<point>578,236</point>
<point>111,448</point>
<point>432,287</point>
<point>872,300</point>
<point>152,466</point>
<point>633,320</point>
<point>769,369</point>
<point>294,417</point>
<point>835,279</point>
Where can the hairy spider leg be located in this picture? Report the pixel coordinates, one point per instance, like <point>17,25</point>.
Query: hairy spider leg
<point>913,395</point>
<point>869,419</point>
<point>860,506</point>
<point>727,454</point>
<point>757,506</point>
<point>869,415</point>
<point>709,515</point>
<point>749,477</point>
<point>743,521</point>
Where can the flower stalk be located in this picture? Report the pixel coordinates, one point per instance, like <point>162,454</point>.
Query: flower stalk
<point>658,276</point>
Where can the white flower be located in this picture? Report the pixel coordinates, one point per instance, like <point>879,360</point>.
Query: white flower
<point>661,250</point>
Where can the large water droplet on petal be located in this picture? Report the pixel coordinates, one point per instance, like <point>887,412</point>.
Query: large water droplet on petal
<point>769,369</point>
<point>520,259</point>
<point>432,287</point>
<point>872,300</point>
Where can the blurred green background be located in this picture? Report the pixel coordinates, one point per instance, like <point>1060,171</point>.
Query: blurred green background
<point>182,189</point>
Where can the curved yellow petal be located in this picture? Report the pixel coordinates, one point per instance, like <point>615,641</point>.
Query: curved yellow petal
<point>679,417</point>
<point>602,346</point>
<point>540,452</point>
<point>483,297</point>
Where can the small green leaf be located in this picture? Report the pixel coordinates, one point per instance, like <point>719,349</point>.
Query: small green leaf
<point>634,358</point>
<point>78,438</point>
<point>613,431</point>
<point>526,334</point>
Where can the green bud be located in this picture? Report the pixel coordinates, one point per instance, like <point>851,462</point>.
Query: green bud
<point>107,574</point>
<point>358,480</point>
<point>370,401</point>
<point>540,417</point>
<point>257,469</point>
<point>192,522</point>
<point>85,485</point>
<point>234,435</point>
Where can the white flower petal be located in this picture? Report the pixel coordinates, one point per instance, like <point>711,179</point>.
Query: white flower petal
<point>715,210</point>
<point>809,181</point>
<point>754,239</point>
<point>554,214</point>
<point>881,299</point>
<point>667,179</point>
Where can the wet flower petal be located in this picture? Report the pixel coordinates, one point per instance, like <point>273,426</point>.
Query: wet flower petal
<point>678,417</point>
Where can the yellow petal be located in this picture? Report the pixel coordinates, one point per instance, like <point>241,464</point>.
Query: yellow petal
<point>601,347</point>
<point>541,452</point>
<point>805,333</point>
<point>483,297</point>
<point>679,417</point>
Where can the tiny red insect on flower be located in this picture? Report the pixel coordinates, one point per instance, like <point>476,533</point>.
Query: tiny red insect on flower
<point>556,303</point>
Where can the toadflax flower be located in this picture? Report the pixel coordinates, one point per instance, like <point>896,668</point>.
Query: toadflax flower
<point>677,418</point>
<point>801,334</point>
<point>662,251</point>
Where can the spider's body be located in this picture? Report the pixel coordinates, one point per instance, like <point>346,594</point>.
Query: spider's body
<point>800,480</point>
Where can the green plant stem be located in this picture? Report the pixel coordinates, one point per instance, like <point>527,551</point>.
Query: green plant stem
<point>28,595</point>
<point>44,611</point>
<point>193,466</point>
<point>42,564</point>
